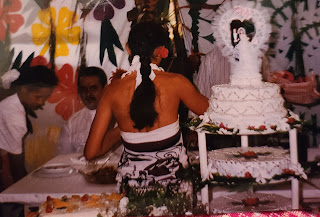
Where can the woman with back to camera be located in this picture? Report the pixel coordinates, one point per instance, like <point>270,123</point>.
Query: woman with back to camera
<point>145,102</point>
<point>33,85</point>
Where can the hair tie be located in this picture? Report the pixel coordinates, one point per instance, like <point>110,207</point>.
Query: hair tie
<point>9,77</point>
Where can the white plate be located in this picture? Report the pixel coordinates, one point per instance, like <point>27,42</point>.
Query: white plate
<point>81,160</point>
<point>41,173</point>
<point>56,168</point>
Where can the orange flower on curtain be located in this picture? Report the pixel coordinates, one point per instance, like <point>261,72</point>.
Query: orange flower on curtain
<point>9,18</point>
<point>65,94</point>
<point>65,31</point>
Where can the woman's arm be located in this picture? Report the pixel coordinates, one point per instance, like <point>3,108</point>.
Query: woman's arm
<point>191,97</point>
<point>97,140</point>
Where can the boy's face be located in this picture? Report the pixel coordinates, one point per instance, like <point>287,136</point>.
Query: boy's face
<point>34,98</point>
<point>90,91</point>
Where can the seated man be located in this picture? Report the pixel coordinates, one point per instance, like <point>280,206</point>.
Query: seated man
<point>74,134</point>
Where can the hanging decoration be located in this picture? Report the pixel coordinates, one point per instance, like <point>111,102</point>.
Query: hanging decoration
<point>195,7</point>
<point>109,38</point>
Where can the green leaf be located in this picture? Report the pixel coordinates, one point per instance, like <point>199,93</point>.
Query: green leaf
<point>166,8</point>
<point>209,38</point>
<point>108,38</point>
<point>43,4</point>
<point>268,4</point>
<point>17,62</point>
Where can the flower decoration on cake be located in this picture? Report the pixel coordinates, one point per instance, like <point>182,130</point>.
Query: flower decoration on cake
<point>260,128</point>
<point>249,154</point>
<point>251,201</point>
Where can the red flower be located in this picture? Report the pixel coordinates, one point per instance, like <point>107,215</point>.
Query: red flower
<point>9,18</point>
<point>39,61</point>
<point>247,175</point>
<point>262,127</point>
<point>249,154</point>
<point>161,51</point>
<point>290,120</point>
<point>251,201</point>
<point>222,126</point>
<point>288,171</point>
<point>65,94</point>
<point>273,127</point>
<point>251,128</point>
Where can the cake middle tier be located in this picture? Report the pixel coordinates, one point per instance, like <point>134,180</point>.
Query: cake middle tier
<point>243,106</point>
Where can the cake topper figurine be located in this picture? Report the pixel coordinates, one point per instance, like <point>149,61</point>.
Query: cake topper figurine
<point>242,30</point>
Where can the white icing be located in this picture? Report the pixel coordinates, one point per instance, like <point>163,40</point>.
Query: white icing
<point>227,162</point>
<point>239,107</point>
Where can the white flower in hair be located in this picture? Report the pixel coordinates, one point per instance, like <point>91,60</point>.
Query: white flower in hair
<point>9,77</point>
<point>136,65</point>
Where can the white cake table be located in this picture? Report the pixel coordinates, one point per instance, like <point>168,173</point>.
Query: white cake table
<point>32,190</point>
<point>244,143</point>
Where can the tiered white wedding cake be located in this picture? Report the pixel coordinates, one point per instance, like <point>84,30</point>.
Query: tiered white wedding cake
<point>242,30</point>
<point>246,105</point>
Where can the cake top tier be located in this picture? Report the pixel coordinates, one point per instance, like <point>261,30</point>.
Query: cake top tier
<point>241,29</point>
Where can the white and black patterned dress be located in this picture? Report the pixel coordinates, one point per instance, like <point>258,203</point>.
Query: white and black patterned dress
<point>156,158</point>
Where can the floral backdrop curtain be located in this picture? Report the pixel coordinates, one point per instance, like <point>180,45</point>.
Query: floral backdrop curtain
<point>91,32</point>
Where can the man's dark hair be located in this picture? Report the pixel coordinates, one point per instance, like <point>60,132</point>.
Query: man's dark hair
<point>37,76</point>
<point>93,71</point>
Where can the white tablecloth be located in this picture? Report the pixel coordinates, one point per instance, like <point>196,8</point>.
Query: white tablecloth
<point>33,190</point>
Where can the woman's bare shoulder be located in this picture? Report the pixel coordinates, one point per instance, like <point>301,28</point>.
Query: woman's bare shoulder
<point>174,77</point>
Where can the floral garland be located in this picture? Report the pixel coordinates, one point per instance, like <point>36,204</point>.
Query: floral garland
<point>293,120</point>
<point>161,200</point>
<point>219,180</point>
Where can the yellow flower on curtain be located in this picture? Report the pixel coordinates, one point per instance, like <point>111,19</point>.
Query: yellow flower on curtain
<point>65,31</point>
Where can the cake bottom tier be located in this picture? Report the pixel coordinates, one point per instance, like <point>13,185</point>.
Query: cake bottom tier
<point>249,202</point>
<point>261,163</point>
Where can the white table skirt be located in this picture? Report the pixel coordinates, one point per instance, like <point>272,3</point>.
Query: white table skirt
<point>33,190</point>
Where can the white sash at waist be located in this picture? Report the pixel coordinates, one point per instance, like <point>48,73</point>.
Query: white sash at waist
<point>151,136</point>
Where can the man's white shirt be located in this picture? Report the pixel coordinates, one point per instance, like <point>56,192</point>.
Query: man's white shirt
<point>13,125</point>
<point>75,131</point>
